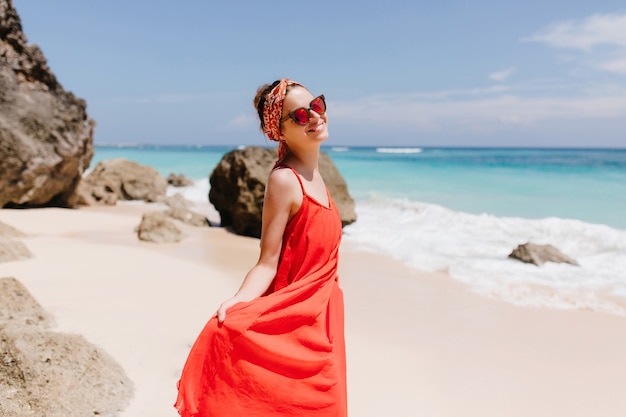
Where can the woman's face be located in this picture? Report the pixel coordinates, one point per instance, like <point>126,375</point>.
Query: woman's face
<point>316,128</point>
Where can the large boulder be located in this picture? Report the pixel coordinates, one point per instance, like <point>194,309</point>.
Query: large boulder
<point>238,187</point>
<point>46,136</point>
<point>121,179</point>
<point>46,373</point>
<point>540,254</point>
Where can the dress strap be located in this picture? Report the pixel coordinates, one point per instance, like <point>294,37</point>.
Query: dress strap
<point>297,176</point>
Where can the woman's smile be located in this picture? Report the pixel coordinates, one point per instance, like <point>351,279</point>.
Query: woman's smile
<point>317,126</point>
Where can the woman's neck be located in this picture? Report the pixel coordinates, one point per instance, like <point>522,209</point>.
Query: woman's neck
<point>306,163</point>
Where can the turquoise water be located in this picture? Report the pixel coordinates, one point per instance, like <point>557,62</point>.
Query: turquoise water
<point>464,210</point>
<point>195,162</point>
<point>587,184</point>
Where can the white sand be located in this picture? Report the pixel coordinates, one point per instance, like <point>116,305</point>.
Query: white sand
<point>418,344</point>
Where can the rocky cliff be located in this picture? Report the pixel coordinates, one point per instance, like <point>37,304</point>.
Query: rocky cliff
<point>46,136</point>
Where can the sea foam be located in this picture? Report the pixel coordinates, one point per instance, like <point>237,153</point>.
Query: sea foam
<point>474,249</point>
<point>197,192</point>
<point>398,150</point>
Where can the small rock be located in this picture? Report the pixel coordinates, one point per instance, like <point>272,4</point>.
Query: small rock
<point>539,254</point>
<point>176,201</point>
<point>189,217</point>
<point>178,180</point>
<point>13,250</point>
<point>156,227</point>
<point>9,231</point>
<point>121,179</point>
<point>18,306</point>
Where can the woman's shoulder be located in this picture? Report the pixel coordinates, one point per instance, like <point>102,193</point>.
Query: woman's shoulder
<point>284,190</point>
<point>284,176</point>
<point>285,180</point>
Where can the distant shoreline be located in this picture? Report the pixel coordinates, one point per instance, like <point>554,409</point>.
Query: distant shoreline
<point>338,145</point>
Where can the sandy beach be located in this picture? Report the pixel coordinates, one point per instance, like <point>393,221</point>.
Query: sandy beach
<point>419,344</point>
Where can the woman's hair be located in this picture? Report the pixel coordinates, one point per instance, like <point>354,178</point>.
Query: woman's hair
<point>259,100</point>
<point>273,116</point>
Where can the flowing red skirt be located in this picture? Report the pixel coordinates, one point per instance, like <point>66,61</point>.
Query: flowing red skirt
<point>282,354</point>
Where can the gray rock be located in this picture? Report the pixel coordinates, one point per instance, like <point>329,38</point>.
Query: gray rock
<point>46,136</point>
<point>238,187</point>
<point>177,200</point>
<point>121,179</point>
<point>156,227</point>
<point>12,249</point>
<point>9,231</point>
<point>188,217</point>
<point>18,307</point>
<point>540,254</point>
<point>44,373</point>
<point>178,180</point>
<point>338,189</point>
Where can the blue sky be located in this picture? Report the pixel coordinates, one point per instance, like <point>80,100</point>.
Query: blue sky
<point>404,73</point>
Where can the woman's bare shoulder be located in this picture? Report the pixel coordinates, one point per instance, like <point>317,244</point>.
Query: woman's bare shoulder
<point>283,187</point>
<point>283,178</point>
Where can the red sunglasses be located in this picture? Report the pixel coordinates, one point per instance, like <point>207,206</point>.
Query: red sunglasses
<point>302,115</point>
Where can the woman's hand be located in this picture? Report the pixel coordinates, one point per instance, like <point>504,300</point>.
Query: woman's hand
<point>283,197</point>
<point>221,311</point>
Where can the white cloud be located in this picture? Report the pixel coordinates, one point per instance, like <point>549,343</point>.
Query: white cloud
<point>602,38</point>
<point>617,66</point>
<point>598,29</point>
<point>480,114</point>
<point>501,76</point>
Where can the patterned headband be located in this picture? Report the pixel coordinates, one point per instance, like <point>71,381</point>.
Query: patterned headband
<point>273,108</point>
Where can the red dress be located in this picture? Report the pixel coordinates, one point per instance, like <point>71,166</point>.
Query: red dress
<point>282,354</point>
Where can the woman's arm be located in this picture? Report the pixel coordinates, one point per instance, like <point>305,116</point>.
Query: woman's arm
<point>283,198</point>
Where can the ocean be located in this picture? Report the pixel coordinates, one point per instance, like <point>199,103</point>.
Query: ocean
<point>463,210</point>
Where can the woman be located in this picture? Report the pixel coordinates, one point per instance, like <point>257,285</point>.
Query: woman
<point>276,348</point>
